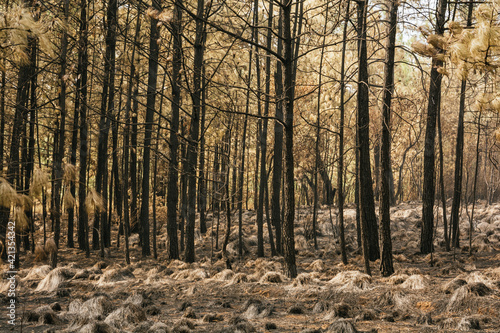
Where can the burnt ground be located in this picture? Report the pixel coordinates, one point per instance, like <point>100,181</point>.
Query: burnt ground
<point>448,292</point>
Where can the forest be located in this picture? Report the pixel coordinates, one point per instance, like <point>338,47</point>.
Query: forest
<point>249,166</point>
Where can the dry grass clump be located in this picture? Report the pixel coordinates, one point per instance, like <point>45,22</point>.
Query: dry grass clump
<point>136,299</point>
<point>82,313</point>
<point>212,318</point>
<point>159,327</point>
<point>47,316</point>
<point>238,325</point>
<point>273,277</point>
<point>341,310</point>
<point>125,316</point>
<point>113,275</point>
<point>400,258</point>
<point>416,282</point>
<point>178,265</point>
<point>479,289</point>
<point>492,273</point>
<point>44,315</point>
<point>461,299</point>
<point>183,325</point>
<point>238,278</point>
<point>96,327</point>
<point>341,326</point>
<point>481,243</point>
<point>317,265</point>
<point>408,271</point>
<point>37,272</point>
<point>397,279</point>
<point>468,323</point>
<point>352,281</point>
<point>225,275</point>
<point>233,247</point>
<point>196,274</point>
<point>448,323</point>
<point>485,227</point>
<point>453,285</point>
<point>304,279</point>
<point>263,265</point>
<point>411,245</point>
<point>152,276</point>
<point>55,279</point>
<point>475,277</point>
<point>396,300</point>
<point>301,243</point>
<point>254,308</point>
<point>320,306</point>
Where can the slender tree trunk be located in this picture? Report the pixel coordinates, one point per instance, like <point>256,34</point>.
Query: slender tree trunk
<point>340,171</point>
<point>236,155</point>
<point>150,110</point>
<point>289,190</point>
<point>225,173</point>
<point>278,146</point>
<point>428,191</point>
<point>243,151</point>
<point>83,241</point>
<point>369,225</point>
<point>216,190</point>
<point>192,153</point>
<point>2,116</point>
<point>318,133</point>
<point>115,187</point>
<point>202,187</point>
<point>107,108</point>
<point>441,172</point>
<point>134,220</point>
<point>183,186</point>
<point>474,186</point>
<point>155,168</point>
<point>31,143</point>
<point>131,95</point>
<point>459,157</point>
<point>58,167</point>
<point>73,158</point>
<point>386,264</point>
<point>263,137</point>
<point>173,173</point>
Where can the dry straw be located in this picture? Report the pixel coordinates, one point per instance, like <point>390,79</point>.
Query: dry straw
<point>39,180</point>
<point>68,200</point>
<point>70,174</point>
<point>7,193</point>
<point>94,201</point>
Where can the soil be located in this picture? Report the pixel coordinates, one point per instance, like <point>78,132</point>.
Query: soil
<point>442,292</point>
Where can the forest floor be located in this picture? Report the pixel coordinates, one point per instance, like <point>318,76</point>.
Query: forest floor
<point>447,292</point>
